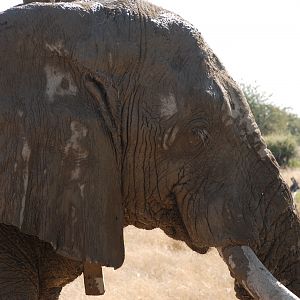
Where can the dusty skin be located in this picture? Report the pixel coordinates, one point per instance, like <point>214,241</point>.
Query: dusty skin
<point>157,267</point>
<point>117,113</point>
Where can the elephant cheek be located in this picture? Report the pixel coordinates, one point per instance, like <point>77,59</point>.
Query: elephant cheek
<point>217,222</point>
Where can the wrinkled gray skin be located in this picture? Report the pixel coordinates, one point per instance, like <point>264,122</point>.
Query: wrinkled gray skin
<point>192,160</point>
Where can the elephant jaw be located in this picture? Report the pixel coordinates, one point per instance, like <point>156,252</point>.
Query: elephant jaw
<point>254,276</point>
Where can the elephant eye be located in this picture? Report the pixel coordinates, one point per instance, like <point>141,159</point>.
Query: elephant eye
<point>190,139</point>
<point>198,136</point>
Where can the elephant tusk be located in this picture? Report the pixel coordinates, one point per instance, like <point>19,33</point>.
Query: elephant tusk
<point>255,277</point>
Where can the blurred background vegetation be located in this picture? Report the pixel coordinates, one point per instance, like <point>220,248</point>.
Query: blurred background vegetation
<point>280,127</point>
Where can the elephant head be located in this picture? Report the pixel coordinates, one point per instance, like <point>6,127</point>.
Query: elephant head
<point>116,113</point>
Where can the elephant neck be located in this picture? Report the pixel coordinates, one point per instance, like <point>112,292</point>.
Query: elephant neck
<point>153,216</point>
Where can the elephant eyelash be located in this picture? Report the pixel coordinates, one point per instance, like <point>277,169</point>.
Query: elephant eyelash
<point>201,134</point>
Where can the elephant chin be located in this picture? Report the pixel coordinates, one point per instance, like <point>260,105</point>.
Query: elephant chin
<point>200,250</point>
<point>252,274</point>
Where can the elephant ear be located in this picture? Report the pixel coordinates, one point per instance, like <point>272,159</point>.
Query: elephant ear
<point>59,172</point>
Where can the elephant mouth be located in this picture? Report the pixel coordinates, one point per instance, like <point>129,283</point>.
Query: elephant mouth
<point>254,276</point>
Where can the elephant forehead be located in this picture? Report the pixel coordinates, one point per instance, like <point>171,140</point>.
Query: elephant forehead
<point>58,83</point>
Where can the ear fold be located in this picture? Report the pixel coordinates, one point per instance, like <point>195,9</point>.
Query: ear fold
<point>105,101</point>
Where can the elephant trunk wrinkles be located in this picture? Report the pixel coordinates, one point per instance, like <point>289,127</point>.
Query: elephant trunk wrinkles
<point>278,247</point>
<point>280,252</point>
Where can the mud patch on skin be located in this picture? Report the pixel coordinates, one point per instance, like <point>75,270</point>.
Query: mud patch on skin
<point>168,106</point>
<point>166,18</point>
<point>20,113</point>
<point>75,174</point>
<point>231,262</point>
<point>58,83</point>
<point>169,137</point>
<point>74,147</point>
<point>57,48</point>
<point>81,187</point>
<point>99,284</point>
<point>26,151</point>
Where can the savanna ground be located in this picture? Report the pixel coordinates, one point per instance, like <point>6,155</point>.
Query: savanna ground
<point>157,267</point>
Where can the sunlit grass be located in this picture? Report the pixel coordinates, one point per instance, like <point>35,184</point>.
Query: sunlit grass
<point>297,199</point>
<point>157,267</point>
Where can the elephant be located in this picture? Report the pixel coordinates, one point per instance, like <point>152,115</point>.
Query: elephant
<point>117,113</point>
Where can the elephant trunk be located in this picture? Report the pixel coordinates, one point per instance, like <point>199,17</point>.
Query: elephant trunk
<point>279,249</point>
<point>277,253</point>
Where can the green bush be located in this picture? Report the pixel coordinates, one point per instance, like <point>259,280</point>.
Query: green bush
<point>271,119</point>
<point>283,147</point>
<point>294,163</point>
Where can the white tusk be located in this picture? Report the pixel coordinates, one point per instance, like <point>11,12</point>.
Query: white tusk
<point>255,277</point>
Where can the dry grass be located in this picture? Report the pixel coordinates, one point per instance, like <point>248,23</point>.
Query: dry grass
<point>288,173</point>
<point>157,267</point>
